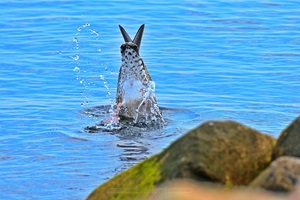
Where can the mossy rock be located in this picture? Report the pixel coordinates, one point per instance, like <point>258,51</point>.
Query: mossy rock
<point>223,152</point>
<point>288,143</point>
<point>134,183</point>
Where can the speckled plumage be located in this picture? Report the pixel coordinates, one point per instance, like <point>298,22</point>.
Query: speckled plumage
<point>134,78</point>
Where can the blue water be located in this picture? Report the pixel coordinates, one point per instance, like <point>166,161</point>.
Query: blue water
<point>221,60</point>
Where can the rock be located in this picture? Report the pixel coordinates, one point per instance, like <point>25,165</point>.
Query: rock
<point>184,189</point>
<point>282,175</point>
<point>134,183</point>
<point>288,142</point>
<point>224,152</point>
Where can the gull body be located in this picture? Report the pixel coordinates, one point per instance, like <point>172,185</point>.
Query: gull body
<point>135,96</point>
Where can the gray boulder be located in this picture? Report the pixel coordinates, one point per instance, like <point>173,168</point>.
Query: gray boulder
<point>281,176</point>
<point>288,142</point>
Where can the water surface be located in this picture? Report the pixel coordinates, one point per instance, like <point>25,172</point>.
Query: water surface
<point>213,60</point>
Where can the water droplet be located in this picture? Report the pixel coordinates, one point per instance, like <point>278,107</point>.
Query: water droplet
<point>75,39</point>
<point>86,24</point>
<point>84,103</point>
<point>105,85</point>
<point>101,77</point>
<point>81,81</point>
<point>76,69</point>
<point>76,57</point>
<point>79,28</point>
<point>94,32</point>
<point>98,49</point>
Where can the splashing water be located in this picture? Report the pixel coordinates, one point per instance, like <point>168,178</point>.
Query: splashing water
<point>147,112</point>
<point>76,57</point>
<point>79,28</point>
<point>112,122</point>
<point>75,39</point>
<point>149,98</point>
<point>86,24</point>
<point>76,69</point>
<point>84,61</point>
<point>94,32</point>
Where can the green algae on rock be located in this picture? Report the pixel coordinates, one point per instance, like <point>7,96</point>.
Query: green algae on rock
<point>223,152</point>
<point>134,183</point>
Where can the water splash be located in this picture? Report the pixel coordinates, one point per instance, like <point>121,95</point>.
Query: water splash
<point>75,39</point>
<point>113,121</point>
<point>147,111</point>
<point>85,102</point>
<point>76,57</point>
<point>148,114</point>
<point>149,98</point>
<point>94,32</point>
<point>79,28</point>
<point>86,24</point>
<point>84,60</point>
